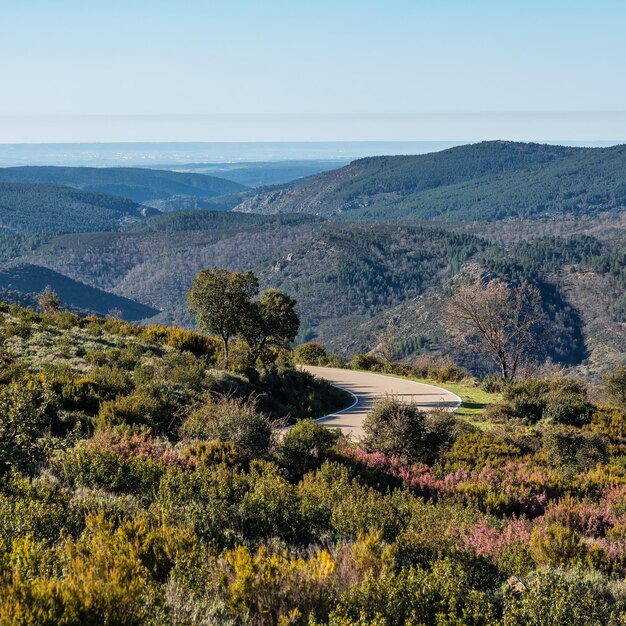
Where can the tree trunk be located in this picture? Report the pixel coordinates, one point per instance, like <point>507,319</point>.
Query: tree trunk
<point>225,340</point>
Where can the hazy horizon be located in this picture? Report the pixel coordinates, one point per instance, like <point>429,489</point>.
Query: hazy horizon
<point>553,127</point>
<point>180,154</point>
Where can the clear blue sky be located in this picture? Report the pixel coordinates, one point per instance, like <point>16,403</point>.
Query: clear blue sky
<point>306,69</point>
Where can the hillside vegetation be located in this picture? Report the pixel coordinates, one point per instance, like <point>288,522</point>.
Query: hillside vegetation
<point>352,280</point>
<point>140,484</point>
<point>43,208</point>
<point>487,181</point>
<point>137,184</point>
<point>31,280</point>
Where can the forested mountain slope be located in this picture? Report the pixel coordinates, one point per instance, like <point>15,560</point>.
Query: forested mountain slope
<point>25,282</point>
<point>43,208</point>
<point>134,183</point>
<point>486,181</point>
<point>351,280</point>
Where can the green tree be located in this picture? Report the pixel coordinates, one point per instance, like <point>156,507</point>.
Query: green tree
<point>271,322</point>
<point>220,299</point>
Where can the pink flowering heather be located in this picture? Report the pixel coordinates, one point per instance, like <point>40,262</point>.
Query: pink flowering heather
<point>138,444</point>
<point>587,518</point>
<point>488,541</point>
<point>514,488</point>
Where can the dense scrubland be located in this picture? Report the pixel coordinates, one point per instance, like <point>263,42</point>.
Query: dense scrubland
<point>146,472</point>
<point>143,481</point>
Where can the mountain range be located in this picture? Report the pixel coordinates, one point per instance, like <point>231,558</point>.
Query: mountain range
<point>487,181</point>
<point>377,244</point>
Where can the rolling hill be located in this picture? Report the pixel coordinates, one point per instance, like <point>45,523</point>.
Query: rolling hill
<point>44,208</point>
<point>486,181</point>
<point>353,272</point>
<point>350,280</point>
<point>23,282</point>
<point>134,183</point>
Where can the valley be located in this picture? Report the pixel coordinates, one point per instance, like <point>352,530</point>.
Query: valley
<point>356,246</point>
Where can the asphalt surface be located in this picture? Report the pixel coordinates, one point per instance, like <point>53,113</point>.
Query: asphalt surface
<point>366,388</point>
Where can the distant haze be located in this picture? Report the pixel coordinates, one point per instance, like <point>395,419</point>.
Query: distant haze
<point>562,127</point>
<point>189,155</point>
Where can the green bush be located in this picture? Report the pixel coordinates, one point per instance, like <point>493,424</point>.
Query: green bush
<point>396,428</point>
<point>494,384</point>
<point>306,446</point>
<point>22,425</point>
<point>196,343</point>
<point>311,354</point>
<point>477,449</point>
<point>111,381</point>
<point>93,464</point>
<point>615,382</point>
<point>229,419</point>
<point>210,453</point>
<point>442,596</point>
<point>561,401</point>
<point>143,407</point>
<point>365,362</point>
<point>609,420</point>
<point>554,597</point>
<point>572,449</point>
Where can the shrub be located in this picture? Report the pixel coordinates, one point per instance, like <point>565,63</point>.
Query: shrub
<point>111,381</point>
<point>22,423</point>
<point>414,595</point>
<point>156,333</point>
<point>228,419</point>
<point>609,420</point>
<point>209,453</point>
<point>395,428</point>
<point>196,343</point>
<point>97,464</point>
<point>365,362</point>
<point>142,407</point>
<point>306,445</point>
<point>268,588</point>
<point>311,354</point>
<point>183,368</point>
<point>271,508</point>
<point>477,449</point>
<point>494,384</point>
<point>552,597</point>
<point>564,407</point>
<point>299,394</point>
<point>615,383</point>
<point>573,449</point>
<point>562,401</point>
<point>499,413</point>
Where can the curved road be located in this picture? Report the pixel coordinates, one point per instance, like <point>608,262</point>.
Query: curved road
<point>366,388</point>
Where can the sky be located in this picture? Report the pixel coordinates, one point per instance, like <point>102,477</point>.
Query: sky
<point>301,70</point>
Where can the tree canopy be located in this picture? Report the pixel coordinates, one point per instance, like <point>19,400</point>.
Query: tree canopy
<point>225,304</point>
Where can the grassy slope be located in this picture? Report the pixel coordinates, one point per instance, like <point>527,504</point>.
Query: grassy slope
<point>64,341</point>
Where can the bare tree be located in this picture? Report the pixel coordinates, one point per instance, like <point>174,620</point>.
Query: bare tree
<point>497,320</point>
<point>49,301</point>
<point>386,342</point>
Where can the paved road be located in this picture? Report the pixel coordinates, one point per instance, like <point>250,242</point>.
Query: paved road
<point>366,388</point>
